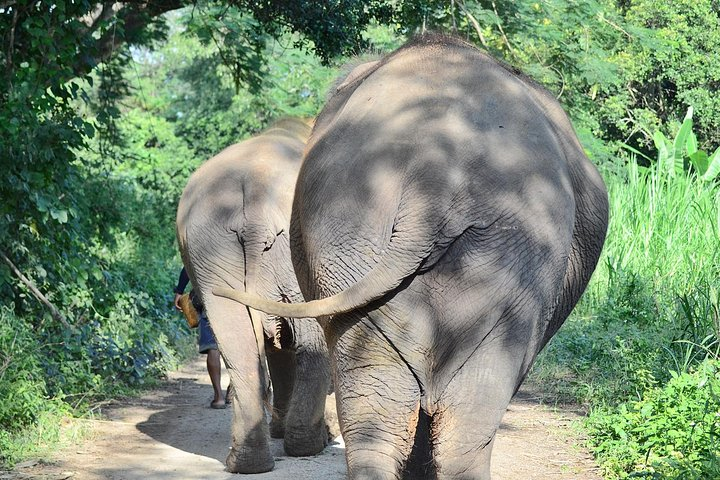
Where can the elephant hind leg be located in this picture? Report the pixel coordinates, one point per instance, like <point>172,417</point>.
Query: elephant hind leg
<point>281,364</point>
<point>306,432</point>
<point>378,402</point>
<point>469,414</point>
<point>420,464</point>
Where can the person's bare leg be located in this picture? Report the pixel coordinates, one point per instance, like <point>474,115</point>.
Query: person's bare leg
<point>213,368</point>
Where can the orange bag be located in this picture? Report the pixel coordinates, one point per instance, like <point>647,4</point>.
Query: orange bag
<point>191,315</point>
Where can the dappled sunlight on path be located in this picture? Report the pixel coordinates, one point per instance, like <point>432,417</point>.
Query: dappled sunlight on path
<point>171,433</point>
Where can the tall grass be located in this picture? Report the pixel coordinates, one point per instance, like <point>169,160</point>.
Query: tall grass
<point>664,228</point>
<point>665,231</point>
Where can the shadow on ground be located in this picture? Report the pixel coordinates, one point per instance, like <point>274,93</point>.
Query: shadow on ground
<point>188,424</point>
<point>171,433</point>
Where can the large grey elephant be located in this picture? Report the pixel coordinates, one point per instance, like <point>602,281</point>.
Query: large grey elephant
<point>232,228</point>
<point>445,223</point>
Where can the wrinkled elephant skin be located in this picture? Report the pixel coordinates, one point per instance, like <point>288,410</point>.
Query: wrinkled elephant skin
<point>446,221</point>
<point>232,225</point>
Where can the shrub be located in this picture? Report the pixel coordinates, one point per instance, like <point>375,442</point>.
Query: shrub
<point>671,432</point>
<point>25,402</point>
<point>593,362</point>
<point>22,380</point>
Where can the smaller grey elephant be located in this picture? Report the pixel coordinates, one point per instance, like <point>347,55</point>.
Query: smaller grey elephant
<point>232,229</point>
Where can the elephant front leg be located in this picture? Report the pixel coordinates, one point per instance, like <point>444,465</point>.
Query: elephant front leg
<point>306,432</point>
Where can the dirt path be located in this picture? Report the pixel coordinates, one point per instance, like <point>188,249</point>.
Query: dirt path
<point>170,433</point>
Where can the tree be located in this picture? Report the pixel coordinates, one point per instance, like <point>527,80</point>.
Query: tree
<point>100,29</point>
<point>86,250</point>
<point>49,50</point>
<point>673,68</point>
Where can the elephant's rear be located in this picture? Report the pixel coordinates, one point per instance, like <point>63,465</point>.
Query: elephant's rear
<point>437,146</point>
<point>232,225</point>
<point>244,193</point>
<point>440,162</point>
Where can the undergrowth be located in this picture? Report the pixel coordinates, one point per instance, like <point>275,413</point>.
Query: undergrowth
<point>641,352</point>
<point>671,432</point>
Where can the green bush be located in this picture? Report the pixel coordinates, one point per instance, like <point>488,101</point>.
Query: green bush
<point>592,362</point>
<point>672,432</point>
<point>642,348</point>
<point>105,356</point>
<point>22,379</point>
<point>25,401</point>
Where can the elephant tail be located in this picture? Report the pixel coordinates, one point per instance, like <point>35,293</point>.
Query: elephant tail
<point>383,279</point>
<point>358,295</point>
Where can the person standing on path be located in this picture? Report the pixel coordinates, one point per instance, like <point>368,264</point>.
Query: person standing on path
<point>206,342</point>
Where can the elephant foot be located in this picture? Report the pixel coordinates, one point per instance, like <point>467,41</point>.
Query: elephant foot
<point>246,460</point>
<point>306,441</point>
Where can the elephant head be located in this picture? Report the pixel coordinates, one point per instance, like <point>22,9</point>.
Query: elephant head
<point>445,222</point>
<point>232,230</point>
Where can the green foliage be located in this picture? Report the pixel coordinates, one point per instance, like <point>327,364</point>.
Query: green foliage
<point>235,39</point>
<point>642,351</point>
<point>23,388</point>
<point>625,338</point>
<point>104,355</point>
<point>38,127</point>
<point>77,231</point>
<point>677,156</point>
<point>671,432</point>
<point>333,28</point>
<point>22,380</point>
<point>199,99</point>
<point>666,228</point>
<point>698,314</point>
<point>592,363</point>
<point>49,432</point>
<point>672,72</point>
<point>664,225</point>
<point>621,69</point>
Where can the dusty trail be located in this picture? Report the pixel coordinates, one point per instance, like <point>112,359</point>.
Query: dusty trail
<point>170,433</point>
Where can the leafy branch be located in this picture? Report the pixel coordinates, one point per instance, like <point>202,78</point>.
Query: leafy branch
<point>474,22</point>
<point>56,314</point>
